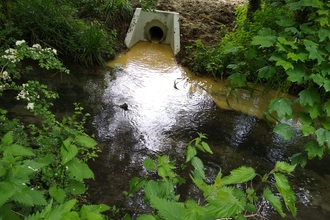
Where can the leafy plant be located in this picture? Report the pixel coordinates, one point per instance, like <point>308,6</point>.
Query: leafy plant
<point>221,199</point>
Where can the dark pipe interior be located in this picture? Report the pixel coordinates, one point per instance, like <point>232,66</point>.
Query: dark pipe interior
<point>156,33</point>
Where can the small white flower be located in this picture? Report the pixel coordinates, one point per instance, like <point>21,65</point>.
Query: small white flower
<point>19,42</point>
<point>55,51</point>
<point>30,106</point>
<point>37,46</point>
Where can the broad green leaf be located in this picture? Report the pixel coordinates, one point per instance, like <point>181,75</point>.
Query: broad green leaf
<point>193,211</point>
<point>239,175</point>
<point>136,184</point>
<point>309,97</point>
<point>283,186</point>
<point>296,74</point>
<point>6,212</point>
<point>145,217</point>
<point>7,190</point>
<point>299,159</point>
<point>323,34</point>
<point>76,187</point>
<point>284,41</point>
<point>17,150</point>
<point>199,166</point>
<point>149,164</point>
<point>263,41</point>
<point>326,107</point>
<point>74,216</point>
<point>68,153</point>
<point>307,129</point>
<point>318,79</point>
<point>57,212</point>
<point>314,149</point>
<point>29,197</point>
<point>237,79</point>
<point>274,201</point>
<point>283,107</point>
<point>96,209</point>
<point>305,118</point>
<point>312,48</point>
<point>326,85</point>
<point>323,21</point>
<point>314,111</point>
<point>7,139</point>
<point>266,72</point>
<point>250,208</point>
<point>230,49</point>
<point>191,152</point>
<point>284,167</point>
<point>168,209</point>
<point>285,64</point>
<point>285,22</point>
<point>79,169</point>
<point>323,137</point>
<point>285,130</point>
<point>57,193</point>
<point>85,141</point>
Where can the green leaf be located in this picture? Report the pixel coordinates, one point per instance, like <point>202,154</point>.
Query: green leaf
<point>285,22</point>
<point>323,34</point>
<point>6,212</point>
<point>250,208</point>
<point>7,139</point>
<point>285,64</point>
<point>326,107</point>
<point>7,190</point>
<point>326,85</point>
<point>145,217</point>
<point>312,48</point>
<point>17,150</point>
<point>309,97</point>
<point>230,49</point>
<point>266,72</point>
<point>29,197</point>
<point>323,136</point>
<point>86,210</point>
<point>206,147</point>
<point>314,111</point>
<point>307,129</point>
<point>296,74</point>
<point>68,153</point>
<point>284,167</point>
<point>318,79</point>
<point>239,175</point>
<point>168,209</point>
<point>199,167</point>
<point>191,152</point>
<point>286,192</point>
<point>285,130</point>
<point>136,184</point>
<point>274,201</point>
<point>237,79</point>
<point>284,41</point>
<point>299,159</point>
<point>193,211</point>
<point>79,169</point>
<point>57,193</point>
<point>149,164</point>
<point>314,149</point>
<point>263,41</point>
<point>77,187</point>
<point>283,107</point>
<point>85,141</point>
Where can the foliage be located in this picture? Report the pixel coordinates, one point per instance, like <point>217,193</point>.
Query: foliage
<point>56,24</point>
<point>42,167</point>
<point>224,198</point>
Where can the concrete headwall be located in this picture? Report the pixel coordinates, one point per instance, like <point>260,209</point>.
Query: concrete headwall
<point>142,22</point>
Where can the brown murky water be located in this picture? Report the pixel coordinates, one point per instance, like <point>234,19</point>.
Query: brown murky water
<point>166,108</point>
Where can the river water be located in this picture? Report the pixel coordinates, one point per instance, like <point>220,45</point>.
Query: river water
<point>166,108</point>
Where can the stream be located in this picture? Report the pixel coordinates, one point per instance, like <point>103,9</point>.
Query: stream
<point>166,108</point>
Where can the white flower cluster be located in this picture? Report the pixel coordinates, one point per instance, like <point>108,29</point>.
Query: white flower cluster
<point>10,55</point>
<point>39,48</point>
<point>19,42</point>
<point>4,75</point>
<point>24,94</point>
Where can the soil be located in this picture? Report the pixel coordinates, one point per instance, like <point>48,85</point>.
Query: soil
<point>199,19</point>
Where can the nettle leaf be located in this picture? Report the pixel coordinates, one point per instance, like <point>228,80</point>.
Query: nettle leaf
<point>199,167</point>
<point>283,107</point>
<point>314,149</point>
<point>274,201</point>
<point>68,153</point>
<point>285,130</point>
<point>266,72</point>
<point>206,147</point>
<point>237,79</point>
<point>323,34</point>
<point>7,190</point>
<point>284,167</point>
<point>7,139</point>
<point>307,129</point>
<point>77,187</point>
<point>285,64</point>
<point>193,211</point>
<point>191,152</point>
<point>323,136</point>
<point>168,209</point>
<point>285,22</point>
<point>17,150</point>
<point>309,97</point>
<point>29,197</point>
<point>96,209</point>
<point>283,186</point>
<point>79,170</point>
<point>135,184</point>
<point>239,175</point>
<point>299,159</point>
<point>85,141</point>
<point>145,217</point>
<point>149,164</point>
<point>57,193</point>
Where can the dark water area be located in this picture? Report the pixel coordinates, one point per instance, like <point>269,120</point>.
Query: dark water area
<point>162,117</point>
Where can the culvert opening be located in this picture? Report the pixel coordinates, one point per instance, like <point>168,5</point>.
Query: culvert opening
<point>156,34</point>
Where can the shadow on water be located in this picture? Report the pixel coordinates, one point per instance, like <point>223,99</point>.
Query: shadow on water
<point>163,116</point>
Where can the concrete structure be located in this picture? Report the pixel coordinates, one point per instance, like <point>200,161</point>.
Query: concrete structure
<point>161,26</point>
